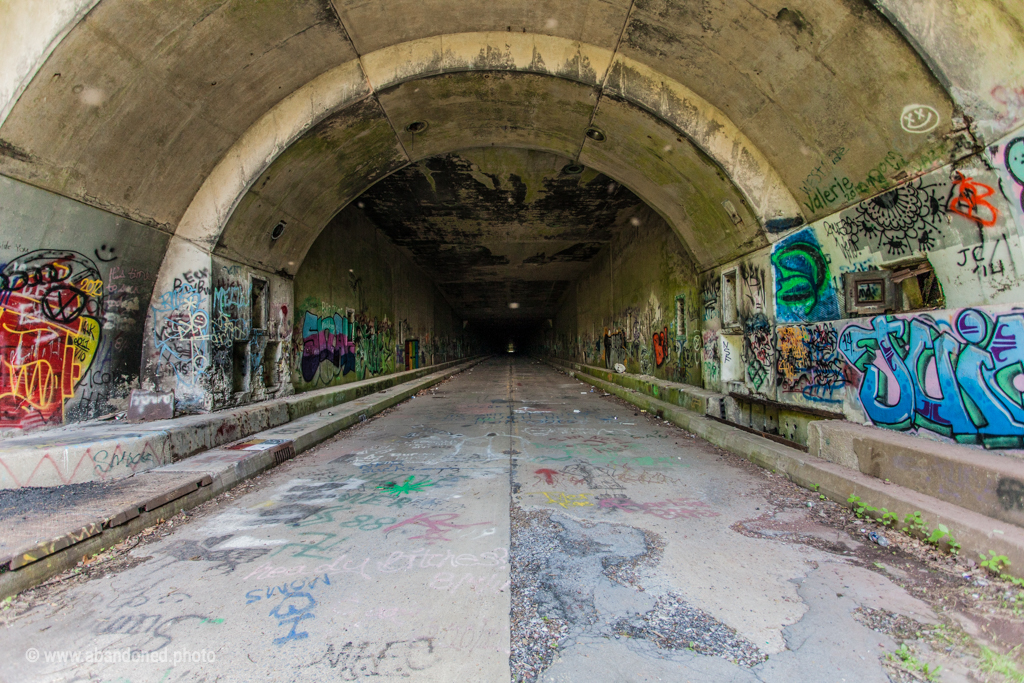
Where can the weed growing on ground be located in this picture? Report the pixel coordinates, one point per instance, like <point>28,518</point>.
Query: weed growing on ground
<point>993,662</point>
<point>859,507</point>
<point>941,533</point>
<point>889,518</point>
<point>995,563</point>
<point>913,525</point>
<point>906,659</point>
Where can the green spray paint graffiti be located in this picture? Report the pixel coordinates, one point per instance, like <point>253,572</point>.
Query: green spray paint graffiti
<point>804,291</point>
<point>408,486</point>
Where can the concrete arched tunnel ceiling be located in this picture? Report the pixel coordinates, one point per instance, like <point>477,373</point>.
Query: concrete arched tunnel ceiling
<point>214,120</point>
<point>497,226</point>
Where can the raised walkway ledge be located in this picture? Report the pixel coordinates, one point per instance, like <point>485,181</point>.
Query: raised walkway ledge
<point>61,525</point>
<point>977,494</point>
<point>103,451</point>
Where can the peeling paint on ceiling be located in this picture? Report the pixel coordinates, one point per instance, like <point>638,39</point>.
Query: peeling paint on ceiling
<point>495,226</point>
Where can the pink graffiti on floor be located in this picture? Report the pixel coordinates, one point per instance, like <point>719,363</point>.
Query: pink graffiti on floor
<point>339,565</point>
<point>674,508</point>
<point>437,526</point>
<point>400,561</point>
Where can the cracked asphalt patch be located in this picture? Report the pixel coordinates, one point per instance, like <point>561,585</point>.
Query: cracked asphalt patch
<point>562,572</point>
<point>675,625</point>
<point>767,581</point>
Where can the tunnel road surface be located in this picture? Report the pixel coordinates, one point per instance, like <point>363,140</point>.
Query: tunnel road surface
<point>510,524</point>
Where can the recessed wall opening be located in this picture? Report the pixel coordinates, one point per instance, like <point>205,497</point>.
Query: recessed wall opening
<point>239,366</point>
<point>730,313</point>
<point>271,358</point>
<point>258,315</point>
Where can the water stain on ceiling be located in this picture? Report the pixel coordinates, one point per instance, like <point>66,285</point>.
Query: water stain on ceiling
<point>494,226</point>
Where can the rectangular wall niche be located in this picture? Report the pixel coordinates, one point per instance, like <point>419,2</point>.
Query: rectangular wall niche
<point>730,310</point>
<point>270,360</point>
<point>239,363</point>
<point>258,315</point>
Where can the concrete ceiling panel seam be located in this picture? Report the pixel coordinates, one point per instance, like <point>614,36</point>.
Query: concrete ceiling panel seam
<point>607,71</point>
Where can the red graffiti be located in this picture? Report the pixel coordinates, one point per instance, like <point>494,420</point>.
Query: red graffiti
<point>104,464</point>
<point>674,508</point>
<point>50,312</point>
<point>549,475</point>
<point>969,201</point>
<point>660,346</point>
<point>437,526</point>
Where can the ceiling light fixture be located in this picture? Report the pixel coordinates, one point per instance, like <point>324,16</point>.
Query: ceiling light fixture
<point>596,134</point>
<point>417,126</point>
<point>278,230</point>
<point>572,169</point>
<point>513,305</point>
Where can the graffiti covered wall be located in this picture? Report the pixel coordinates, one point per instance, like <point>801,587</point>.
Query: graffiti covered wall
<point>938,260</point>
<point>359,302</point>
<point>249,334</point>
<point>950,242</point>
<point>637,306</point>
<point>70,315</point>
<point>957,374</point>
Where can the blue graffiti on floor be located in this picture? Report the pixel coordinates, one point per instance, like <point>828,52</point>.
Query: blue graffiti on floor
<point>296,605</point>
<point>963,381</point>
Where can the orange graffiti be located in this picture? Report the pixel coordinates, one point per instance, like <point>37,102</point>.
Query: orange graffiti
<point>970,203</point>
<point>660,346</point>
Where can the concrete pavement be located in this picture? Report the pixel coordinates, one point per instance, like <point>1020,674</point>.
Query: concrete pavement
<point>510,524</point>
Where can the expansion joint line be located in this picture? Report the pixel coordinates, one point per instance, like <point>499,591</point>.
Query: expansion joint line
<point>511,410</point>
<point>604,79</point>
<point>370,88</point>
<point>510,395</point>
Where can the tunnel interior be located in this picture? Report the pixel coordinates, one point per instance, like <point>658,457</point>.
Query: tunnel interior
<point>541,340</point>
<point>503,233</point>
<point>236,201</point>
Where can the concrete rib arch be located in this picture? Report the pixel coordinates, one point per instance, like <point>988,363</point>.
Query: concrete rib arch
<point>711,132</point>
<point>669,100</point>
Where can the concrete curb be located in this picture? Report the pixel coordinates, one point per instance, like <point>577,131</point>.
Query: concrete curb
<point>215,471</point>
<point>975,532</point>
<point>106,451</point>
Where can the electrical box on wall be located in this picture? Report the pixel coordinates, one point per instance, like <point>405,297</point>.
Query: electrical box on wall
<point>869,292</point>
